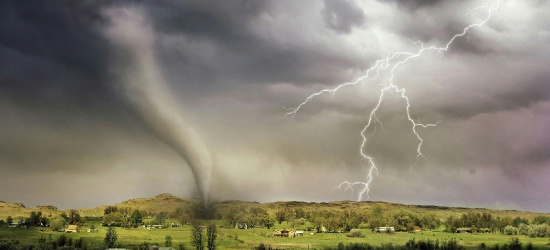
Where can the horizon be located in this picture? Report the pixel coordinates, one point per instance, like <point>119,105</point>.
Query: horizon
<point>443,103</point>
<point>268,202</point>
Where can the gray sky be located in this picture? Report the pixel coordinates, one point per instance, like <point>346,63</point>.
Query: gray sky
<point>70,138</point>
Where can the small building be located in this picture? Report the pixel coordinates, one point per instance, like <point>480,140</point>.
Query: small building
<point>463,230</point>
<point>299,233</point>
<point>416,229</point>
<point>384,230</point>
<point>285,233</point>
<point>241,226</point>
<point>71,229</point>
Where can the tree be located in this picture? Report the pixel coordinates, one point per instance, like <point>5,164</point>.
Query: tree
<point>74,217</point>
<point>64,215</point>
<point>57,223</point>
<point>540,220</point>
<point>111,237</point>
<point>211,234</point>
<point>161,217</point>
<point>136,218</point>
<point>268,221</point>
<point>34,219</point>
<point>428,221</point>
<point>197,239</point>
<point>280,215</point>
<point>110,209</point>
<point>113,219</point>
<point>519,220</point>
<point>168,241</point>
<point>9,220</point>
<point>299,223</point>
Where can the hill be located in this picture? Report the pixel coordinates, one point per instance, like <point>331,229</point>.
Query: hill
<point>18,210</point>
<point>169,203</point>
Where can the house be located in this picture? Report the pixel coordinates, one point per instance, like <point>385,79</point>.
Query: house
<point>72,229</point>
<point>285,233</point>
<point>463,230</point>
<point>384,230</point>
<point>299,233</point>
<point>415,229</point>
<point>241,226</point>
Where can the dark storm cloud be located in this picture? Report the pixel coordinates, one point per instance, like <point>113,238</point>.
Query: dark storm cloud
<point>226,32</point>
<point>233,66</point>
<point>413,4</point>
<point>341,16</point>
<point>52,50</point>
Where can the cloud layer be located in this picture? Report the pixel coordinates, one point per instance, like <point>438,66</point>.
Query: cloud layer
<point>233,67</point>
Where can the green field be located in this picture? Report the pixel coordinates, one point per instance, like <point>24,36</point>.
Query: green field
<point>246,239</point>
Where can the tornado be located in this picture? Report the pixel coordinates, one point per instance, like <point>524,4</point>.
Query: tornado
<point>143,87</point>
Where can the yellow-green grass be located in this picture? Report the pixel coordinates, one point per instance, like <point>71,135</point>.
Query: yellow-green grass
<point>245,239</point>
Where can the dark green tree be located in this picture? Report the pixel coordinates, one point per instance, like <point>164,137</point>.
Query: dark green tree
<point>211,234</point>
<point>541,220</point>
<point>64,215</point>
<point>280,215</point>
<point>110,209</point>
<point>136,218</point>
<point>9,220</point>
<point>268,221</point>
<point>168,241</point>
<point>74,217</point>
<point>197,239</point>
<point>34,219</point>
<point>110,237</point>
<point>518,221</point>
<point>161,217</point>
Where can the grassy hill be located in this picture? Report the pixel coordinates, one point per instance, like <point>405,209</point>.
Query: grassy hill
<point>18,210</point>
<point>169,203</point>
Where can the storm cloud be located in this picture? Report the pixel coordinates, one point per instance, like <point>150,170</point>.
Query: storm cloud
<point>233,67</point>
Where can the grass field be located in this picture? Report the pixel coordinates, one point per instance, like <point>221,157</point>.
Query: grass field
<point>246,239</point>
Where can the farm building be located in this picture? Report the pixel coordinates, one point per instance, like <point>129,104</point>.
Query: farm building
<point>416,229</point>
<point>284,233</point>
<point>299,233</point>
<point>71,229</point>
<point>384,230</point>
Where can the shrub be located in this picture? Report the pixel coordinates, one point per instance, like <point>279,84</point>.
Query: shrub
<point>356,233</point>
<point>167,240</point>
<point>523,229</point>
<point>510,230</point>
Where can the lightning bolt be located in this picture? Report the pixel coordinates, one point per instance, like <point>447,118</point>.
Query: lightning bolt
<point>392,63</point>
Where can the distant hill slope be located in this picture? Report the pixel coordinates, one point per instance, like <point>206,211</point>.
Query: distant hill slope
<point>18,210</point>
<point>169,203</point>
